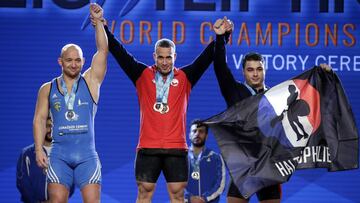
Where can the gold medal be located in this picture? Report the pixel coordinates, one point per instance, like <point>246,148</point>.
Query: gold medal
<point>158,106</point>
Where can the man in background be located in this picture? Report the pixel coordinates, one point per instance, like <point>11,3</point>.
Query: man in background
<point>31,179</point>
<point>207,169</point>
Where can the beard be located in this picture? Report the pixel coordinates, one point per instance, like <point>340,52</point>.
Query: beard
<point>69,72</point>
<point>48,138</point>
<point>198,144</point>
<point>164,72</point>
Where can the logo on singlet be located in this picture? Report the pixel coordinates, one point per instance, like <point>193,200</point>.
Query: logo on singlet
<point>80,103</point>
<point>57,106</point>
<point>174,82</point>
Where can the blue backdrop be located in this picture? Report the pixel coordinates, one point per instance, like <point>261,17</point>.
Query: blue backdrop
<point>293,36</point>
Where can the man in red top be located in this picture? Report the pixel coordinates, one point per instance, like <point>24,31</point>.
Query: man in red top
<point>163,92</point>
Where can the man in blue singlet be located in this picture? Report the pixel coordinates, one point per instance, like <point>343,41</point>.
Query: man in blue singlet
<point>72,100</point>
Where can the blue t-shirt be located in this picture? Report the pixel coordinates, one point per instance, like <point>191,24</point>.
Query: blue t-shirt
<point>30,179</point>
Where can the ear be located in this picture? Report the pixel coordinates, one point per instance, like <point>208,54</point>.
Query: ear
<point>154,56</point>
<point>60,61</point>
<point>83,60</point>
<point>175,56</point>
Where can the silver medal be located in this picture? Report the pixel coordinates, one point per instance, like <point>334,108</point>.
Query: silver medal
<point>195,175</point>
<point>165,109</point>
<point>70,115</point>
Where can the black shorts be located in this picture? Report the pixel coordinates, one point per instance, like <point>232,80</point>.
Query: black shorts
<point>172,162</point>
<point>267,193</point>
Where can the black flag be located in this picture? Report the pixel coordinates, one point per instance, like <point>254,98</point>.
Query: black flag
<point>305,122</point>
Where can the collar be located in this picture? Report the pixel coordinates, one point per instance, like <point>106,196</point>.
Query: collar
<point>254,91</point>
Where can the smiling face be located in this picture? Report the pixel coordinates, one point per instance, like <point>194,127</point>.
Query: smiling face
<point>164,56</point>
<point>71,60</point>
<point>164,59</point>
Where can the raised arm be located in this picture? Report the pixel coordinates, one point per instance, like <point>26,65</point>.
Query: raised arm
<point>195,70</point>
<point>227,82</point>
<point>127,62</point>
<point>39,124</point>
<point>96,73</point>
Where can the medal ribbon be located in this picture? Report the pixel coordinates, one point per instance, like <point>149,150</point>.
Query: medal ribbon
<point>69,98</point>
<point>162,88</point>
<point>195,161</point>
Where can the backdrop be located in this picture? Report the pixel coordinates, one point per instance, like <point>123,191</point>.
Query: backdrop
<point>293,35</point>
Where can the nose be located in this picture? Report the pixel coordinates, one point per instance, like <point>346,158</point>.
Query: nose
<point>164,62</point>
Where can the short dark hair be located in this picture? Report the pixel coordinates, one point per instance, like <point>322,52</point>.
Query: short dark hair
<point>200,123</point>
<point>252,56</point>
<point>165,43</point>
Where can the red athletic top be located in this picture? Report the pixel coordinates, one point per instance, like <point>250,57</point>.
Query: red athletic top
<point>163,130</point>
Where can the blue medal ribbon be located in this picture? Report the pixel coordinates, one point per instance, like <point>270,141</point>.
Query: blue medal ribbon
<point>69,98</point>
<point>162,88</point>
<point>195,163</point>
